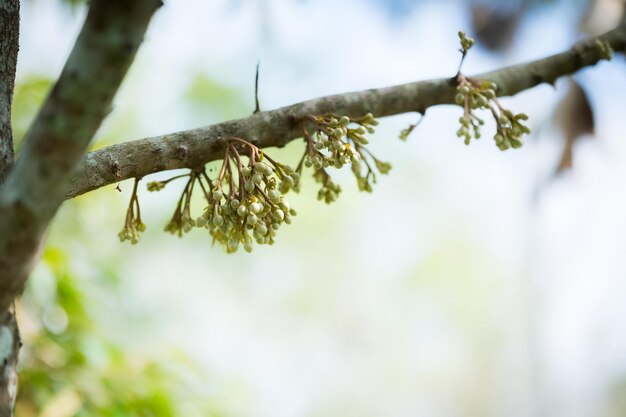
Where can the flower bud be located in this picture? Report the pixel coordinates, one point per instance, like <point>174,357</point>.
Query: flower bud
<point>278,215</point>
<point>273,195</point>
<point>256,207</point>
<point>261,229</point>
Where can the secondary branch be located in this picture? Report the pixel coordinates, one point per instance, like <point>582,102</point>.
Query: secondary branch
<point>195,147</point>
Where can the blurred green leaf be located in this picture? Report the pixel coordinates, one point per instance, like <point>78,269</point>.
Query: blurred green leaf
<point>27,98</point>
<point>79,372</point>
<point>210,97</point>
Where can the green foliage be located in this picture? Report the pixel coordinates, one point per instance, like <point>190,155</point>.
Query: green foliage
<point>208,96</point>
<point>69,368</point>
<point>27,98</point>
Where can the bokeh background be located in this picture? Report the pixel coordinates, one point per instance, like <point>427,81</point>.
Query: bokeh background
<point>471,282</point>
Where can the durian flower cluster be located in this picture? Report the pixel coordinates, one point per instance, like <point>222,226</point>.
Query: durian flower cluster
<point>473,95</point>
<point>245,203</point>
<point>246,199</point>
<point>133,225</point>
<point>336,141</point>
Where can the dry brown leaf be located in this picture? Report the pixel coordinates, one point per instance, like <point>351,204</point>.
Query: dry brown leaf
<point>574,116</point>
<point>494,28</point>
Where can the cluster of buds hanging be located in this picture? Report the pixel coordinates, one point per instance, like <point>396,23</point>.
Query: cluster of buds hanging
<point>472,95</point>
<point>133,225</point>
<point>246,202</point>
<point>337,141</point>
<point>181,221</point>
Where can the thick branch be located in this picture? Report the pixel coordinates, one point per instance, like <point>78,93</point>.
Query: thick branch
<point>193,148</point>
<point>10,344</point>
<point>62,130</point>
<point>9,335</point>
<point>9,45</point>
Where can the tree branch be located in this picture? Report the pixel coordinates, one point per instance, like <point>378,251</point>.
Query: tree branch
<point>195,147</point>
<point>62,130</point>
<point>9,45</point>
<point>9,335</point>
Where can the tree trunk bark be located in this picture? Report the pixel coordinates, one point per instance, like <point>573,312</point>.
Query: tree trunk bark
<point>9,334</point>
<point>9,44</point>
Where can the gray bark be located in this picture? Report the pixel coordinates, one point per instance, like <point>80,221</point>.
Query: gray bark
<point>9,45</point>
<point>35,185</point>
<point>9,334</point>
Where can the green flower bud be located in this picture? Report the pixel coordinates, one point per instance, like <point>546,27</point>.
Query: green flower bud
<point>233,245</point>
<point>284,204</point>
<point>278,215</point>
<point>256,207</point>
<point>273,195</point>
<point>261,229</point>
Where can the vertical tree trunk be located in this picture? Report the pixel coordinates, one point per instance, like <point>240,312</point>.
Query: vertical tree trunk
<point>9,44</point>
<point>9,350</point>
<point>9,335</point>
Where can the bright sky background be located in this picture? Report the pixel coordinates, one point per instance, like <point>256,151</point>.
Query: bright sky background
<point>470,282</point>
